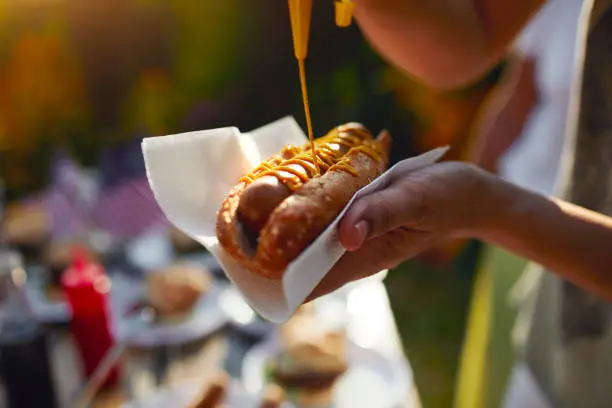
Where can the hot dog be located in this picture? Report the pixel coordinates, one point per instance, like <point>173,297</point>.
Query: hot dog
<point>278,210</point>
<point>265,193</point>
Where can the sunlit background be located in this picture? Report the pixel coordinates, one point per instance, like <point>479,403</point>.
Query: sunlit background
<point>82,82</point>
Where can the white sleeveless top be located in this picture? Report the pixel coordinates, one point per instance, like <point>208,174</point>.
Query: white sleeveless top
<point>534,159</point>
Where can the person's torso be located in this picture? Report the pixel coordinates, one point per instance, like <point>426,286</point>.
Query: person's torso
<point>569,347</point>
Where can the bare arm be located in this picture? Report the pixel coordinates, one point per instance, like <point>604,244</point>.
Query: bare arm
<point>453,199</point>
<point>446,43</point>
<point>569,240</point>
<point>503,115</point>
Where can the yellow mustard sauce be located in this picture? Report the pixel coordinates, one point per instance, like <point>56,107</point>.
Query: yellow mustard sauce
<point>331,151</point>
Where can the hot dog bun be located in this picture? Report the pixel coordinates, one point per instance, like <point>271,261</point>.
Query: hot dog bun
<point>277,211</point>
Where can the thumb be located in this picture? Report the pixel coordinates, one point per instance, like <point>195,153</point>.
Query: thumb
<point>378,213</point>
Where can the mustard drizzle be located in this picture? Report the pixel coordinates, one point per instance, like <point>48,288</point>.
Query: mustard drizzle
<point>328,154</point>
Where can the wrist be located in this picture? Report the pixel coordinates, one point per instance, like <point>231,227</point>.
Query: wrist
<point>494,206</point>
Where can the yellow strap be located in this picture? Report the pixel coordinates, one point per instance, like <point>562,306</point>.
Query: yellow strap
<point>471,377</point>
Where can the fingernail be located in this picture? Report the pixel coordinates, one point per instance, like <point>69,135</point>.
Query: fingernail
<point>382,132</point>
<point>362,228</point>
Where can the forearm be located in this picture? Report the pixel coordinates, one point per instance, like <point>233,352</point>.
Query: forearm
<point>570,241</point>
<point>447,43</point>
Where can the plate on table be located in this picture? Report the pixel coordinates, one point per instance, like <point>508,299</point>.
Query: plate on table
<point>182,396</point>
<point>372,380</point>
<point>205,318</point>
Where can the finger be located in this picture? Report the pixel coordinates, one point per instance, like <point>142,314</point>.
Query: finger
<point>385,141</point>
<point>384,252</point>
<point>378,213</point>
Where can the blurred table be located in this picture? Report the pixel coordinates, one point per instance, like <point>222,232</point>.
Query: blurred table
<point>368,319</point>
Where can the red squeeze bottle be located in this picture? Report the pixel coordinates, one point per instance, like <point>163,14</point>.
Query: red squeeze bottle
<point>86,287</point>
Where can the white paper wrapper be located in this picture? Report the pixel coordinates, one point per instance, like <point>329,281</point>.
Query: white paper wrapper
<point>191,173</point>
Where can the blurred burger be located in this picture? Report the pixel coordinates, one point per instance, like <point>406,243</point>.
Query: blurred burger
<point>173,292</point>
<point>27,228</point>
<point>311,360</point>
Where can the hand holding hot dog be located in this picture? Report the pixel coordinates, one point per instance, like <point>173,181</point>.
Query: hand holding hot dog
<point>412,214</point>
<point>455,200</point>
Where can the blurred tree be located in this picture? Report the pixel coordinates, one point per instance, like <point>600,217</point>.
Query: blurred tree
<point>4,25</point>
<point>151,104</point>
<point>117,40</point>
<point>44,88</point>
<point>208,42</point>
<point>42,100</point>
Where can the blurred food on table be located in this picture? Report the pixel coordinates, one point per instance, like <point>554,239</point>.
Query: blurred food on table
<point>109,400</point>
<point>26,226</point>
<point>215,392</point>
<point>311,360</point>
<point>273,397</point>
<point>174,291</point>
<point>217,389</point>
